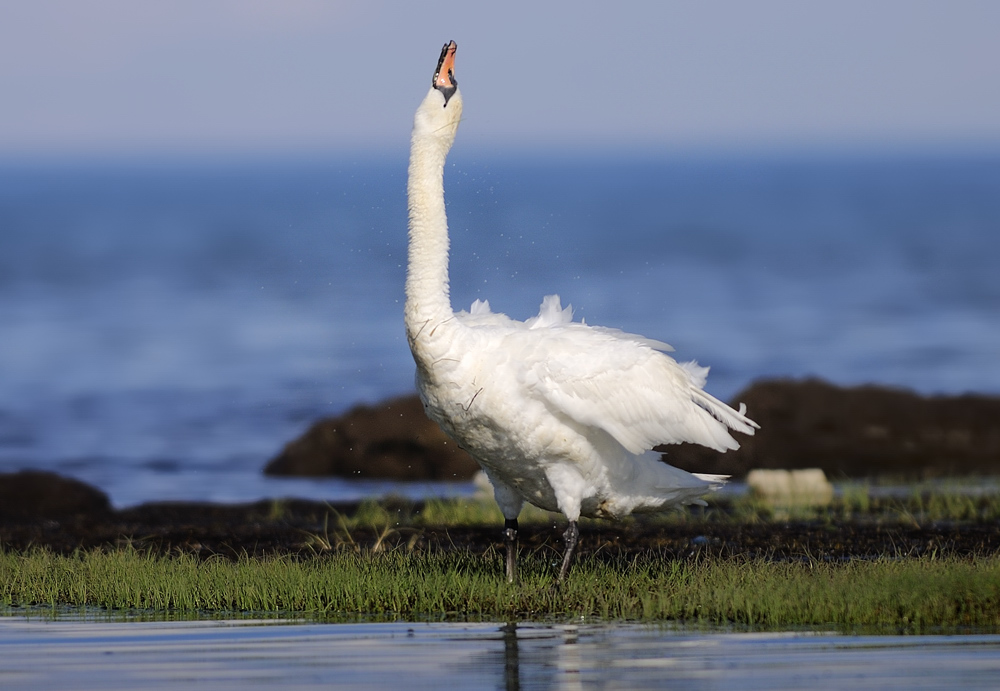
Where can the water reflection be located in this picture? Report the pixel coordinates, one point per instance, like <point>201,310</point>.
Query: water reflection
<point>547,660</point>
<point>623,656</point>
<point>55,654</point>
<point>511,660</point>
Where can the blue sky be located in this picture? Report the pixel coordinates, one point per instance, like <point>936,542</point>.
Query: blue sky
<point>249,77</point>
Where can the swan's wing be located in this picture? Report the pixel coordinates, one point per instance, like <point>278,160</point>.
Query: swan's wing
<point>552,313</point>
<point>623,385</point>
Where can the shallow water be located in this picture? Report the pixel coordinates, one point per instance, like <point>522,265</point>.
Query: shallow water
<point>59,654</point>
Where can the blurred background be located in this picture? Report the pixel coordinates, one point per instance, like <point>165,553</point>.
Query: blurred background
<point>203,214</point>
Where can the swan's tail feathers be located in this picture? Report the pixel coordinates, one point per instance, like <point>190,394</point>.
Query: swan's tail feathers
<point>715,483</point>
<point>682,487</point>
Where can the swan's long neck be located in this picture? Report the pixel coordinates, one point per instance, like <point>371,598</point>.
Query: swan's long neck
<point>427,298</point>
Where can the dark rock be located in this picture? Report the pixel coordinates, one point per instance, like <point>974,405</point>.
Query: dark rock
<point>35,494</point>
<point>859,431</point>
<point>394,440</point>
<point>862,431</point>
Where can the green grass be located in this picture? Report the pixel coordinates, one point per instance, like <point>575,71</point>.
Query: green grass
<point>855,503</point>
<point>357,571</point>
<point>920,507</point>
<point>908,594</point>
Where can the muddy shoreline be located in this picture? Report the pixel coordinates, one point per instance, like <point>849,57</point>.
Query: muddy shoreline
<point>303,529</point>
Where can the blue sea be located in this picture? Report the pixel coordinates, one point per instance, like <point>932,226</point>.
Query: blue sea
<point>166,328</point>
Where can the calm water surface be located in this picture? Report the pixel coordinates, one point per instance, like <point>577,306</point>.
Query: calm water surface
<point>39,654</point>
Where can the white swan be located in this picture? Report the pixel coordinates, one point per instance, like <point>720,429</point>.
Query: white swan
<point>558,413</point>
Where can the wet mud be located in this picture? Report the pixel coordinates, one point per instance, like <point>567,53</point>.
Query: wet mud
<point>302,528</point>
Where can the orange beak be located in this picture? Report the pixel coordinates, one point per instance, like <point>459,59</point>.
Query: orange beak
<point>444,78</point>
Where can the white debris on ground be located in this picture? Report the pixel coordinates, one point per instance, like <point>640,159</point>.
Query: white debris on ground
<point>806,487</point>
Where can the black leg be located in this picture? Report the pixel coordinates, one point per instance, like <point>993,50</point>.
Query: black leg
<point>571,536</point>
<point>510,541</point>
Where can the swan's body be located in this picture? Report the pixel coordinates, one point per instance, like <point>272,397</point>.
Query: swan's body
<point>558,413</point>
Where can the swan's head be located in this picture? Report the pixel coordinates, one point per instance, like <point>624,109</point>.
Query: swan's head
<point>439,114</point>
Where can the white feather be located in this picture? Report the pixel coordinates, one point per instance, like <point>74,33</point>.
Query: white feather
<point>557,412</point>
